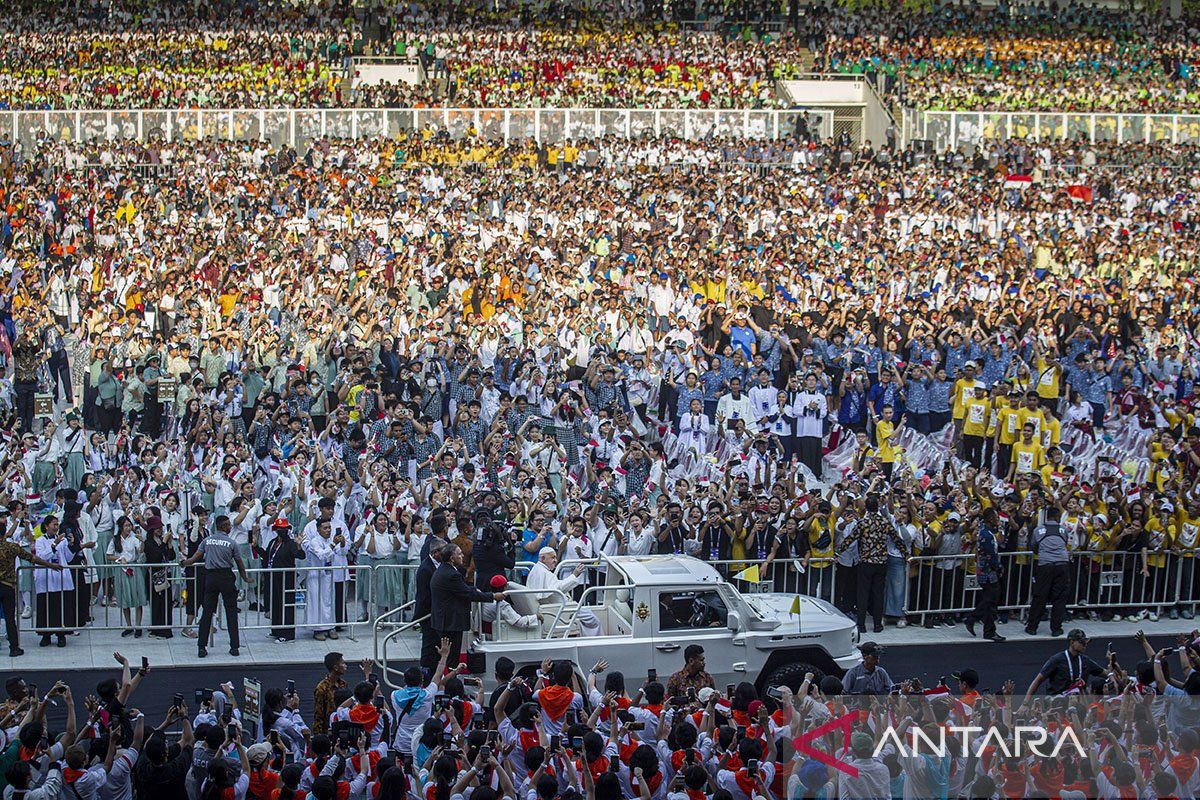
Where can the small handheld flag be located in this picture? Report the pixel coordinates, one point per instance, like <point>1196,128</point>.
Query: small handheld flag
<point>749,575</point>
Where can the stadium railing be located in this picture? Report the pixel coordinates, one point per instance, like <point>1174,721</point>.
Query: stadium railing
<point>960,128</point>
<point>295,127</point>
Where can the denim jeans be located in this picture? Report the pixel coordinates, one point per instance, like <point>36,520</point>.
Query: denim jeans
<point>895,587</point>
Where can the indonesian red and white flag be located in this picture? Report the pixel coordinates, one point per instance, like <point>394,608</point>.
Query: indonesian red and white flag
<point>1079,193</point>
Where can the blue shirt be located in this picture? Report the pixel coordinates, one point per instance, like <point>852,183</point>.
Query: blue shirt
<point>916,396</point>
<point>955,358</point>
<point>1095,387</point>
<point>743,338</point>
<point>995,367</point>
<point>888,394</point>
<point>523,555</point>
<point>939,396</point>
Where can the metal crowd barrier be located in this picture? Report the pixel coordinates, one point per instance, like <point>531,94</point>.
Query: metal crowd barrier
<point>277,599</point>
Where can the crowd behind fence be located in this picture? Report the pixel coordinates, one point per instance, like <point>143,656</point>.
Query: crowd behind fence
<point>1103,583</point>
<point>296,127</point>
<point>963,128</point>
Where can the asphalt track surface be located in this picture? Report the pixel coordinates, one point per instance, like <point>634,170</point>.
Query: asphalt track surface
<point>995,662</point>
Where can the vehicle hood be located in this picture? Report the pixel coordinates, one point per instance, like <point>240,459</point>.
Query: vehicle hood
<point>815,614</point>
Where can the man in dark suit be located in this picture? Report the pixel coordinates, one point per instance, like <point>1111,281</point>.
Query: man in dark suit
<point>451,597</point>
<point>423,603</point>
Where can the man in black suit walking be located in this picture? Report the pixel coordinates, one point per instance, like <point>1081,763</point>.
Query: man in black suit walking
<point>451,597</point>
<point>422,601</point>
<point>423,605</point>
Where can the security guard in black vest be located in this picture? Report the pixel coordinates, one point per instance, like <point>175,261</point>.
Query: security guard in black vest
<point>220,554</point>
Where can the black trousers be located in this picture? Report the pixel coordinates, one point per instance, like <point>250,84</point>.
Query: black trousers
<point>162,606</point>
<point>8,607</point>
<point>456,638</point>
<point>108,420</point>
<point>847,589</point>
<point>871,579</point>
<point>282,604</point>
<point>429,646</point>
<point>809,451</point>
<point>1003,459</point>
<point>973,450</point>
<point>986,600</point>
<point>1051,585</point>
<point>60,371</point>
<point>219,584</point>
<point>23,392</point>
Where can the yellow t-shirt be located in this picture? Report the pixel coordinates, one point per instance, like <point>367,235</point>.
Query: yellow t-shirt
<point>975,416</point>
<point>1189,536</point>
<point>1048,376</point>
<point>1052,475</point>
<point>883,440</point>
<point>1051,433</point>
<point>963,389</point>
<point>821,557</point>
<point>1028,457</point>
<point>1034,417</point>
<point>352,399</point>
<point>1160,538</point>
<point>1006,424</point>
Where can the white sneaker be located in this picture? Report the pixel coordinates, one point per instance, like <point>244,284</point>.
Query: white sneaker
<point>902,623</point>
<point>25,612</point>
<point>1144,614</point>
<point>1153,617</point>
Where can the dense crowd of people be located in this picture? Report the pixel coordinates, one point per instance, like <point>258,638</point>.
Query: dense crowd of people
<point>320,353</point>
<point>1106,730</point>
<point>278,55</point>
<point>610,54</point>
<point>1042,57</point>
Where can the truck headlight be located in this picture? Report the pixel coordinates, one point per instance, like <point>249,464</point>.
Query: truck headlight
<point>854,635</point>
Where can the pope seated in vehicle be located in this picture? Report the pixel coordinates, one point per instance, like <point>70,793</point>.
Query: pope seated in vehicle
<point>542,577</point>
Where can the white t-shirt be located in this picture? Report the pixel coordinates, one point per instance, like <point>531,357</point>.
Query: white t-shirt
<point>407,722</point>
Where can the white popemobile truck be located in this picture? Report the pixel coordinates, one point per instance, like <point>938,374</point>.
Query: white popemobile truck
<point>652,607</point>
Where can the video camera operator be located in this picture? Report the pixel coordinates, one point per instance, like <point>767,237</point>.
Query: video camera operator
<point>494,552</point>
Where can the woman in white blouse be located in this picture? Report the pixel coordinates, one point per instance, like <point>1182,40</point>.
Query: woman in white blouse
<point>378,543</point>
<point>125,551</point>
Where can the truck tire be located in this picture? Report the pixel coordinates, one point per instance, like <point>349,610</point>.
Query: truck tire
<point>792,675</point>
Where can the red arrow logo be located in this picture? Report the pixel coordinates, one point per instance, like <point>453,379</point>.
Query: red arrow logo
<point>844,723</point>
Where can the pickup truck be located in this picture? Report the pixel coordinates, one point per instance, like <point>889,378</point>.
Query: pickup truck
<point>652,607</point>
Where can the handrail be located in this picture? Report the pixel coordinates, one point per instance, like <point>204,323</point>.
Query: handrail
<point>380,59</point>
<point>580,604</point>
<point>404,627</point>
<point>537,593</point>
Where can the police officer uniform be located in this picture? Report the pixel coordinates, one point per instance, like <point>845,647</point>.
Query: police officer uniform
<point>220,555</point>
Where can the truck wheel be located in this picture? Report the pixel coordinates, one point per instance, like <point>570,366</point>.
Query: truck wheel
<point>792,675</point>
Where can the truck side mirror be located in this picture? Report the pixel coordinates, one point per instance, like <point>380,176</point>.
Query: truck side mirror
<point>734,621</point>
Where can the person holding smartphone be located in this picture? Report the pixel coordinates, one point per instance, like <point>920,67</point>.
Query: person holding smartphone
<point>220,777</point>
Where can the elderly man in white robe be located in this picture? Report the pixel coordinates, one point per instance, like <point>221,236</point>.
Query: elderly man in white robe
<point>542,577</point>
<point>505,610</point>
